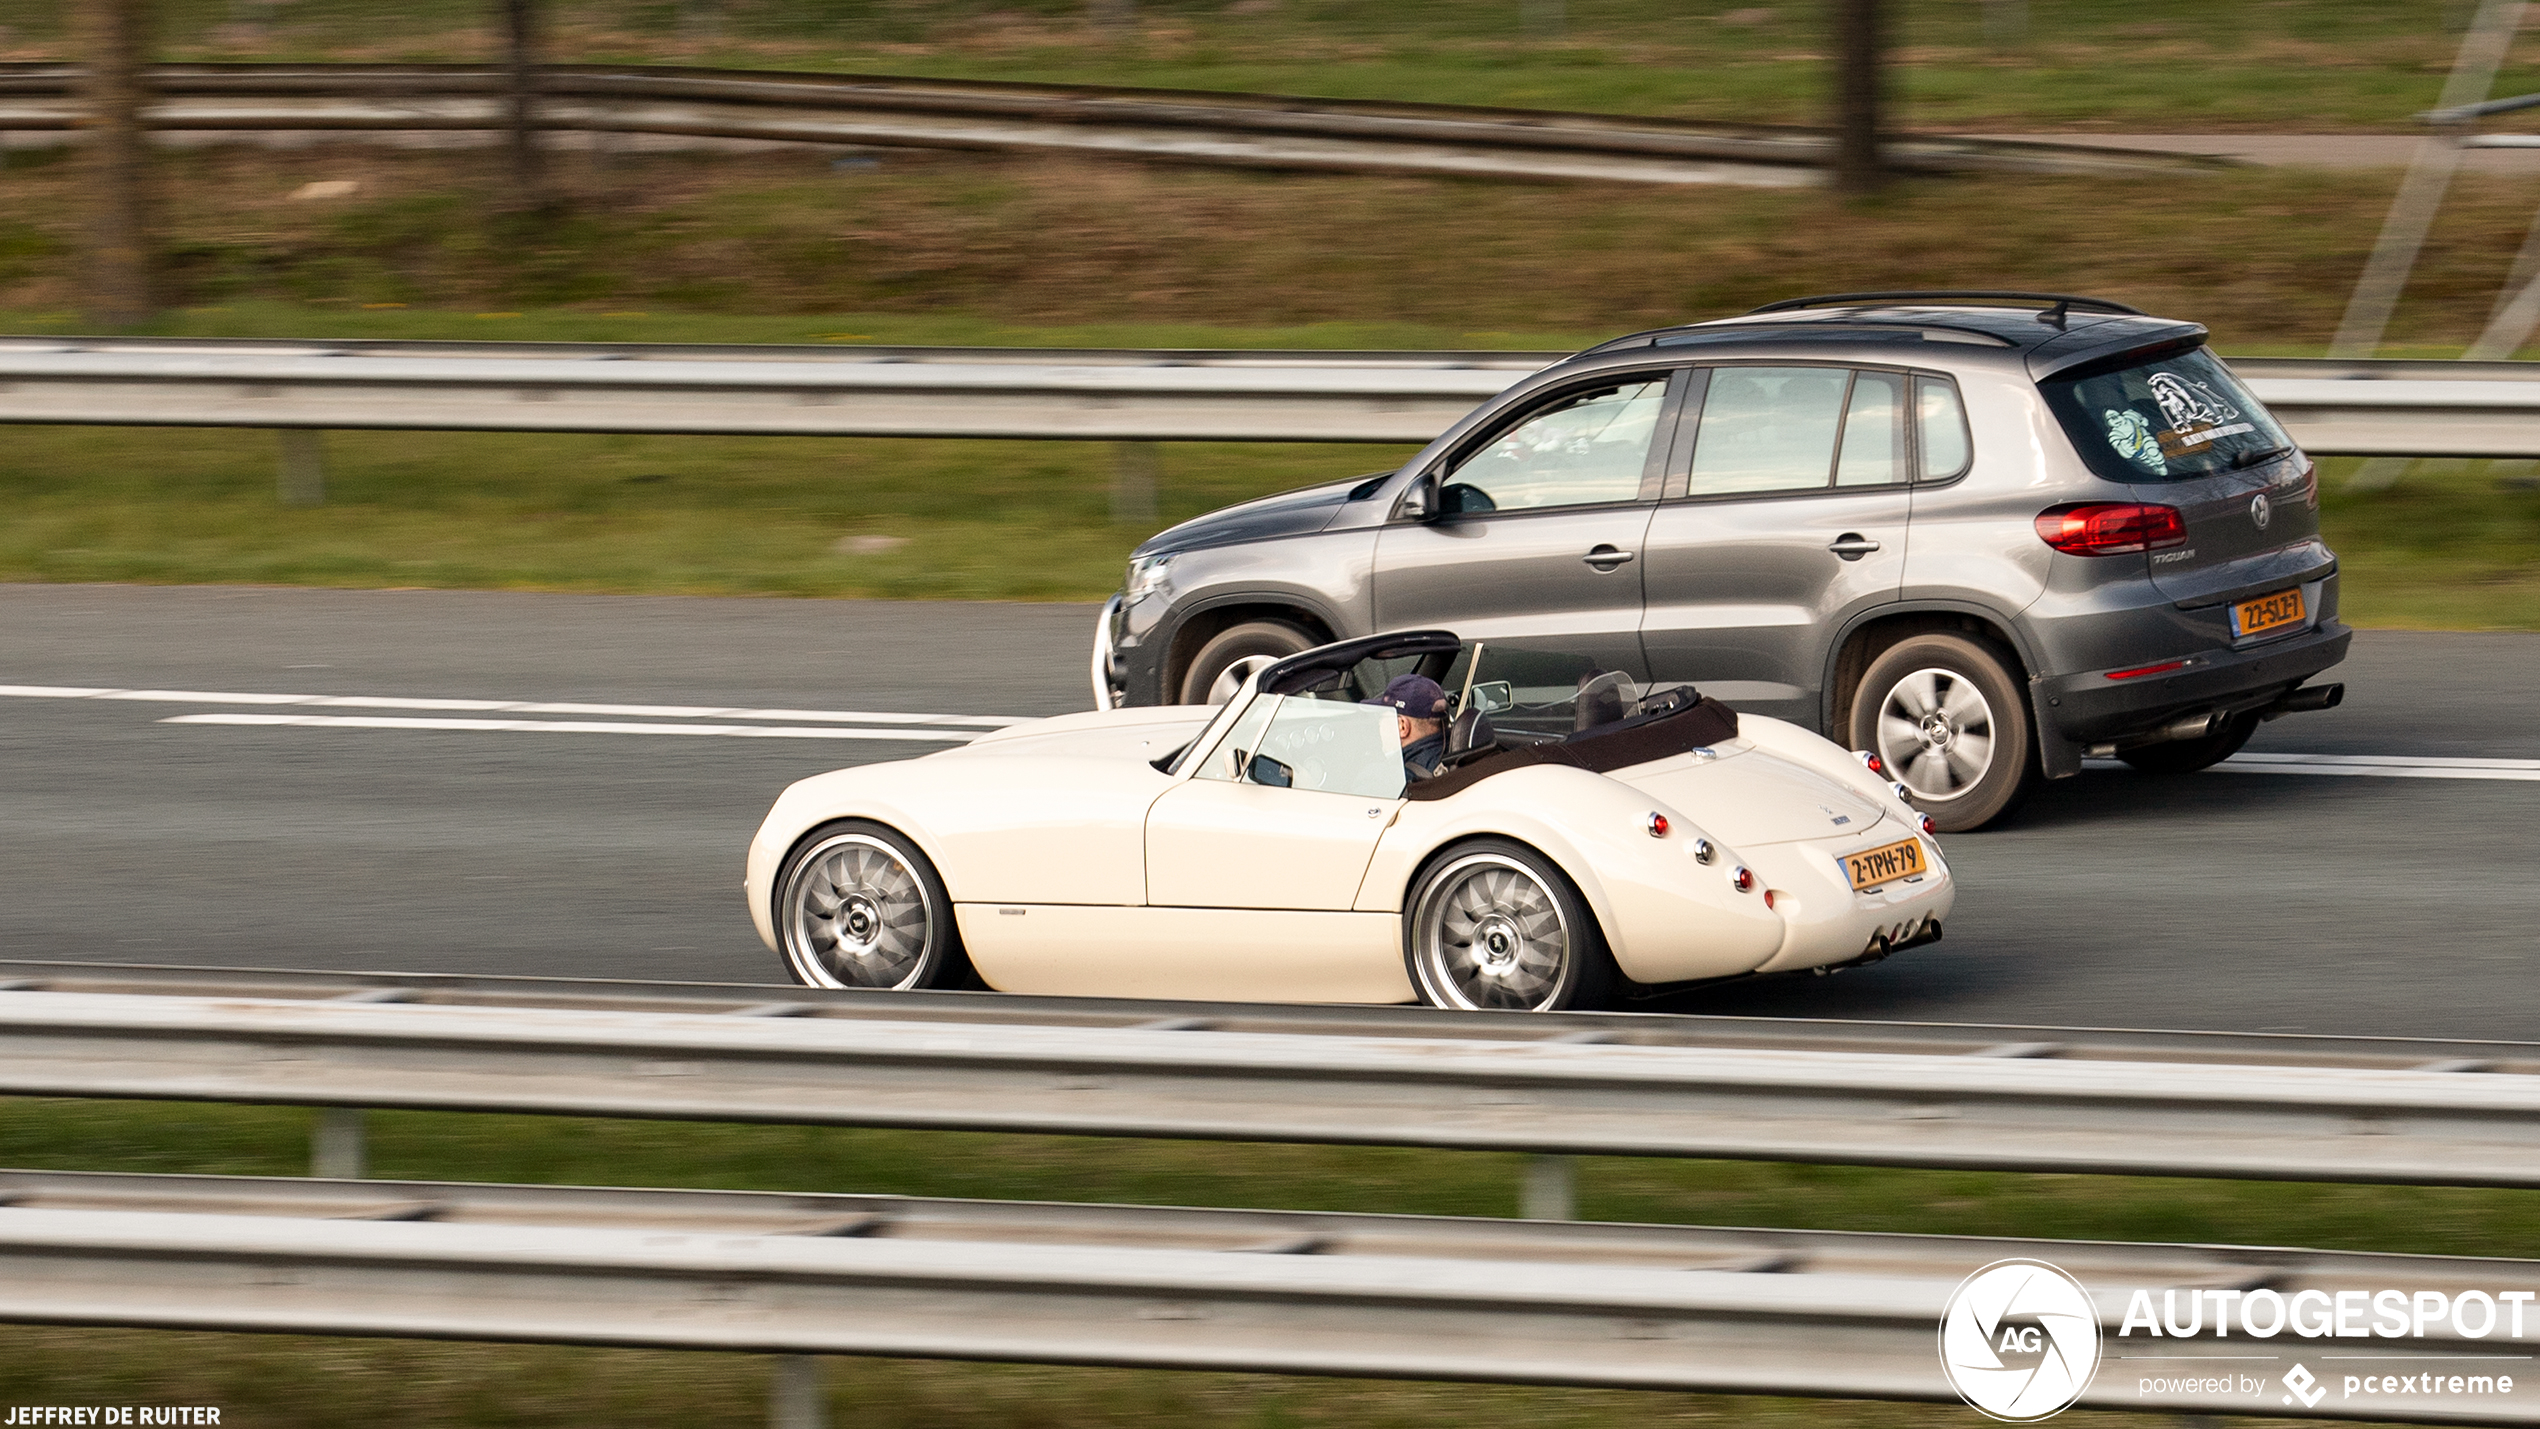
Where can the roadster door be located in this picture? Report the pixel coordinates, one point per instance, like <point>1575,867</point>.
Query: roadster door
<point>1235,836</point>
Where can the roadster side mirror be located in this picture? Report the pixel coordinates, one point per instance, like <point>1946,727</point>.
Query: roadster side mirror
<point>1494,696</point>
<point>1266,770</point>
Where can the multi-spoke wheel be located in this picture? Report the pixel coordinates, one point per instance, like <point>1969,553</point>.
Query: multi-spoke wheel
<point>1493,926</point>
<point>858,906</point>
<point>1948,722</point>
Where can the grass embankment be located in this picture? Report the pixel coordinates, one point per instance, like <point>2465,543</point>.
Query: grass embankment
<point>950,249</point>
<point>2154,66</point>
<point>304,1382</point>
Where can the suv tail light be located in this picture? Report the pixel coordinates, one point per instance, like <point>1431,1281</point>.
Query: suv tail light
<point>2111,530</point>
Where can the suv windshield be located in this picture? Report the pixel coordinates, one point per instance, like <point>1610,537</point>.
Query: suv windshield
<point>2174,418</point>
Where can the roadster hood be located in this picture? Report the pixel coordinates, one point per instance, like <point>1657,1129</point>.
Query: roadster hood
<point>1145,733</point>
<point>1747,797</point>
<point>1290,513</point>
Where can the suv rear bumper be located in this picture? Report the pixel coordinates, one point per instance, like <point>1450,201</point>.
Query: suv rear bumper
<point>2078,711</point>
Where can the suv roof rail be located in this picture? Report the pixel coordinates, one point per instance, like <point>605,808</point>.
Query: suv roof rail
<point>2055,302</point>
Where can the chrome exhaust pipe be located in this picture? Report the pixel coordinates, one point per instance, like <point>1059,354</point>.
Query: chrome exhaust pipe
<point>2195,726</point>
<point>2316,697</point>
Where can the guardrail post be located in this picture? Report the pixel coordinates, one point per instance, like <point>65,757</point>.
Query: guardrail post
<point>1134,469</point>
<point>336,1150</point>
<point>1552,1189</point>
<point>303,478</point>
<point>794,1394</point>
<point>2394,254</point>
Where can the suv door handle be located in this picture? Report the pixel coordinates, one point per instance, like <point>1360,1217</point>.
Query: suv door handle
<point>1852,545</point>
<point>1606,558</point>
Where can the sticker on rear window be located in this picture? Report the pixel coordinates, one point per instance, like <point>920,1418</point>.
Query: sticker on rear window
<point>2132,438</point>
<point>2196,414</point>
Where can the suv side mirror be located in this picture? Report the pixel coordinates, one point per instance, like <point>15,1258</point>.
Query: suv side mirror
<point>1420,503</point>
<point>1265,770</point>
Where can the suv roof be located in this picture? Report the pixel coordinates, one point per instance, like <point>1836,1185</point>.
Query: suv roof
<point>2055,330</point>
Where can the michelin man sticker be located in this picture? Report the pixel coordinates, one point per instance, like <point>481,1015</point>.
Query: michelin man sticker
<point>2132,437</point>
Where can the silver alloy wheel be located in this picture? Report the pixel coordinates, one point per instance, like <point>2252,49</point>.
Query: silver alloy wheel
<point>856,915</point>
<point>1489,937</point>
<point>1936,733</point>
<point>1230,680</point>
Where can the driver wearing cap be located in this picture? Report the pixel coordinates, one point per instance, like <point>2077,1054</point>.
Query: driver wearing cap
<point>1419,706</point>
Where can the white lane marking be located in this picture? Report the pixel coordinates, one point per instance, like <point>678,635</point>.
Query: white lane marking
<point>2395,761</point>
<point>578,726</point>
<point>389,702</point>
<point>2379,766</point>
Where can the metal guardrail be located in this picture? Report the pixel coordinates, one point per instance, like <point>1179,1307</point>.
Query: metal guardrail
<point>1175,126</point>
<point>2332,407</point>
<point>2021,1103</point>
<point>975,1010</point>
<point>1815,1313</point>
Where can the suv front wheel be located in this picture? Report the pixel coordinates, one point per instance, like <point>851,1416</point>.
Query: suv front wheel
<point>1947,719</point>
<point>1230,657</point>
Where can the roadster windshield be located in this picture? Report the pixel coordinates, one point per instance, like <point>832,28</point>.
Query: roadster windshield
<point>1527,694</point>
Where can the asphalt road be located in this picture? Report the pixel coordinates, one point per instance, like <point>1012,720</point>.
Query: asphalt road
<point>2222,900</point>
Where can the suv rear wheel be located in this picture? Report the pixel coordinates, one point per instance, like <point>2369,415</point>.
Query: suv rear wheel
<point>1948,720</point>
<point>1229,658</point>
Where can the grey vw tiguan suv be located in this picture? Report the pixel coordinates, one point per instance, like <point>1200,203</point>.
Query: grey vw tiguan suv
<point>1981,535</point>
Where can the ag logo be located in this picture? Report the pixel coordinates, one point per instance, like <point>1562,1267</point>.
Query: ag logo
<point>2259,511</point>
<point>2020,1340</point>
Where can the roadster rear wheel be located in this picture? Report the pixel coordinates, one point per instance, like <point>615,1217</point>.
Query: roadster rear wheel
<point>858,906</point>
<point>1493,926</point>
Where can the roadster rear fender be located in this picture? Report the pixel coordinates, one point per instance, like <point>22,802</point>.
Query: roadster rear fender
<point>1666,917</point>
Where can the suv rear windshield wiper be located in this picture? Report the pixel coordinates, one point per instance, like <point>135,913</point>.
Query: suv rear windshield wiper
<point>2246,460</point>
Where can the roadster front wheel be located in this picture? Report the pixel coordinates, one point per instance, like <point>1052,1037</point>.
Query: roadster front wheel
<point>1493,926</point>
<point>858,906</point>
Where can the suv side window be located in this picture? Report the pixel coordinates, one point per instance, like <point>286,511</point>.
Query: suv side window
<point>1873,451</point>
<point>1587,448</point>
<point>1942,422</point>
<point>1768,429</point>
<point>1796,429</point>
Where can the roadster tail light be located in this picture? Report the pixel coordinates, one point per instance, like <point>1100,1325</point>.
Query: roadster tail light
<point>1903,794</point>
<point>2110,529</point>
<point>1930,824</point>
<point>1742,879</point>
<point>1657,825</point>
<point>1870,761</point>
<point>1768,898</point>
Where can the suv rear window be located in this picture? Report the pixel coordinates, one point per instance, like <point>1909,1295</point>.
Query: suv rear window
<point>2173,418</point>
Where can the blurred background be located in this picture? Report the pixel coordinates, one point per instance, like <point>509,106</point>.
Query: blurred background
<point>2256,148</point>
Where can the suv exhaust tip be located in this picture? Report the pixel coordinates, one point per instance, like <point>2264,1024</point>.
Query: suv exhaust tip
<point>2317,697</point>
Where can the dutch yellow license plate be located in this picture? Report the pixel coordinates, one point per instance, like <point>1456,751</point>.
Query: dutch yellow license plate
<point>1869,869</point>
<point>2268,612</point>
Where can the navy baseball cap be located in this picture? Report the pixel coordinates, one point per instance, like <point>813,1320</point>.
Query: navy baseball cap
<point>1415,695</point>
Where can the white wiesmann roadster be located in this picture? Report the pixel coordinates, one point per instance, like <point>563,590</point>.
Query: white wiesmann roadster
<point>1579,839</point>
